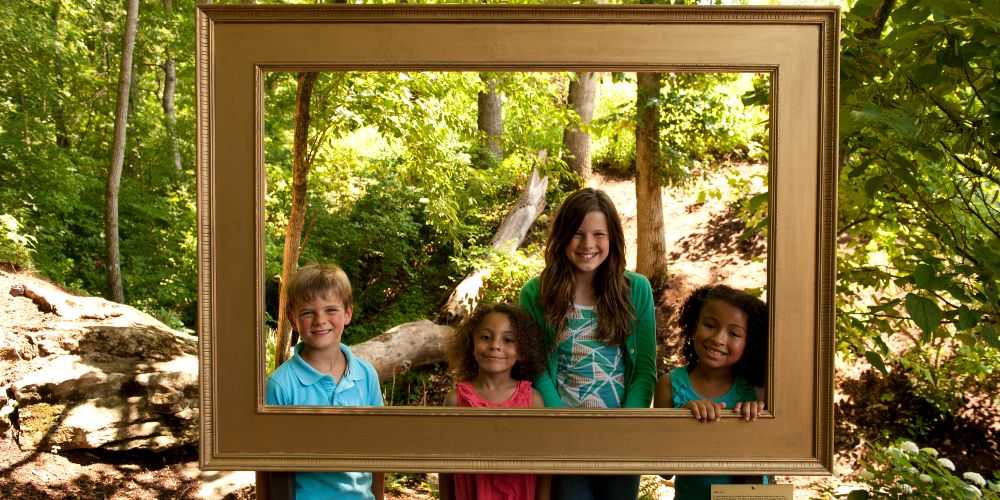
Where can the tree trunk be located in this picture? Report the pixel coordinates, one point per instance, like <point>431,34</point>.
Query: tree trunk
<point>509,236</point>
<point>297,217</point>
<point>878,19</point>
<point>58,112</point>
<point>169,89</point>
<point>404,347</point>
<point>576,139</point>
<point>651,251</point>
<point>115,289</point>
<point>490,117</point>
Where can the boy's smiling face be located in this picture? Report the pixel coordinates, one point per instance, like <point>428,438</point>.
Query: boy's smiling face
<point>321,321</point>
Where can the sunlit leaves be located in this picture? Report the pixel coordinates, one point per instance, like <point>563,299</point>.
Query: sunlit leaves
<point>924,312</point>
<point>919,146</point>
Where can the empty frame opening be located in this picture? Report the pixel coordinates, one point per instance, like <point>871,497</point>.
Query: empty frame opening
<point>410,174</point>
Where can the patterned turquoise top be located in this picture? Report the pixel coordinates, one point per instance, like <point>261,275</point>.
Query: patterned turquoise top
<point>639,349</point>
<point>700,487</point>
<point>591,374</point>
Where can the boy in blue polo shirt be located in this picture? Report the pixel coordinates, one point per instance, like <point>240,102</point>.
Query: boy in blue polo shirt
<point>323,372</point>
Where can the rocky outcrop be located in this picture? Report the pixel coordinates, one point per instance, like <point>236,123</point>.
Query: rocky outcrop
<point>88,373</point>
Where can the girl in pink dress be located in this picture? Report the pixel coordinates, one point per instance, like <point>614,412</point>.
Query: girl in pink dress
<point>495,355</point>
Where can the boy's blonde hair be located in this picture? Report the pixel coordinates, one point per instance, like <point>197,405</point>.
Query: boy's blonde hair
<point>317,280</point>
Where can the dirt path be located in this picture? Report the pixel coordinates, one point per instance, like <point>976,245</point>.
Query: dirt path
<point>701,237</point>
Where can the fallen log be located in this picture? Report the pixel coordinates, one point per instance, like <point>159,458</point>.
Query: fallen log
<point>50,299</point>
<point>423,342</point>
<point>509,236</point>
<point>404,347</point>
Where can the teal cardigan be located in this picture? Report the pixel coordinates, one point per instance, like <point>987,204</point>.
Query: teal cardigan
<point>640,345</point>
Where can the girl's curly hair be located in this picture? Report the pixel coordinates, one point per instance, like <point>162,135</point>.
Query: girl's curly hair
<point>753,364</point>
<point>531,354</point>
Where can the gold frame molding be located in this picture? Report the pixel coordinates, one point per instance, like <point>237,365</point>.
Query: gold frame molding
<point>797,46</point>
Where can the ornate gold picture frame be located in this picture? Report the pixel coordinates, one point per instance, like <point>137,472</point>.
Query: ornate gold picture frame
<point>798,48</point>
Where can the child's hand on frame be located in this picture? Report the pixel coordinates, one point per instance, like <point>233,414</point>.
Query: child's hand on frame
<point>705,410</point>
<point>749,409</point>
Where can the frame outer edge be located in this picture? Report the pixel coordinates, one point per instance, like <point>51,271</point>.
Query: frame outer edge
<point>825,19</point>
<point>826,246</point>
<point>558,14</point>
<point>548,465</point>
<point>206,320</point>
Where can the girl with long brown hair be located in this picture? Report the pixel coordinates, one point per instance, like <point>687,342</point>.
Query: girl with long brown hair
<point>597,322</point>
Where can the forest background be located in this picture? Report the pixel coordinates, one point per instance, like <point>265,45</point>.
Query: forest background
<point>918,292</point>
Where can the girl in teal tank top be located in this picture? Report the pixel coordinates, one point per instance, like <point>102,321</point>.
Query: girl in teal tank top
<point>725,347</point>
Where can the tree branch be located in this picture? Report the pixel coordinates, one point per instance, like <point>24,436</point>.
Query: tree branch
<point>975,213</point>
<point>982,196</point>
<point>965,165</point>
<point>965,67</point>
<point>957,246</point>
<point>878,20</point>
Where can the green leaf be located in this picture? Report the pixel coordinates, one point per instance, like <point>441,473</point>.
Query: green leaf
<point>924,312</point>
<point>950,8</point>
<point>757,200</point>
<point>858,495</point>
<point>876,360</point>
<point>991,8</point>
<point>884,326</point>
<point>874,185</point>
<point>926,74</point>
<point>923,275</point>
<point>990,334</point>
<point>957,292</point>
<point>966,318</point>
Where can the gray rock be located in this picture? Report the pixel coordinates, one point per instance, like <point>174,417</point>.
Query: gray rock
<point>105,376</point>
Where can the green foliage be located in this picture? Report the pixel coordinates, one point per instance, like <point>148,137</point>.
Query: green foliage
<point>57,98</point>
<point>702,120</point>
<point>394,191</point>
<point>509,271</point>
<point>745,191</point>
<point>270,340</point>
<point>15,248</point>
<point>903,470</point>
<point>919,184</point>
<point>423,386</point>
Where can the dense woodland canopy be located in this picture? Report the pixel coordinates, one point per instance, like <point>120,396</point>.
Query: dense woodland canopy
<point>408,165</point>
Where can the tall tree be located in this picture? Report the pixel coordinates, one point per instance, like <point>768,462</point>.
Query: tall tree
<point>58,114</point>
<point>296,220</point>
<point>576,138</point>
<point>490,117</point>
<point>169,89</point>
<point>651,254</point>
<point>115,289</point>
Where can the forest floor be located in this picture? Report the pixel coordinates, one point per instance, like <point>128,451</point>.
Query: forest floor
<point>702,237</point>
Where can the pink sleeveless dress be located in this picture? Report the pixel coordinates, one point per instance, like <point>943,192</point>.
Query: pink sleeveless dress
<point>494,486</point>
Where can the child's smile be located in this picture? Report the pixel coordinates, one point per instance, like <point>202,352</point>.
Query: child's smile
<point>721,335</point>
<point>321,321</point>
<point>495,344</point>
<point>589,247</point>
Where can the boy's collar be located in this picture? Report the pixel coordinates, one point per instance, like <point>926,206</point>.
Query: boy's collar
<point>308,375</point>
